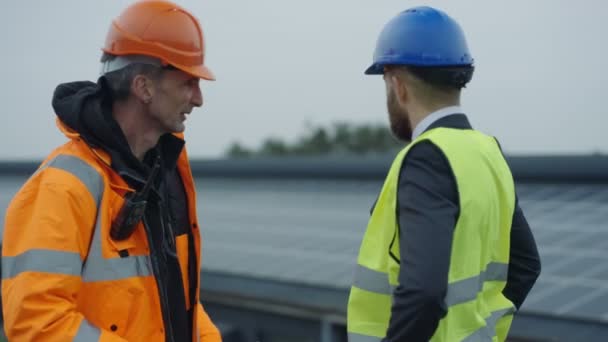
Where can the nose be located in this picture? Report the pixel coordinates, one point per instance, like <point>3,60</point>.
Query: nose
<point>197,95</point>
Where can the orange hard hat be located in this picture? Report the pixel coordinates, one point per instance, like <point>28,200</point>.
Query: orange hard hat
<point>163,30</point>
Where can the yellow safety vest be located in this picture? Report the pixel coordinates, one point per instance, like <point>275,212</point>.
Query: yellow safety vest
<point>477,309</point>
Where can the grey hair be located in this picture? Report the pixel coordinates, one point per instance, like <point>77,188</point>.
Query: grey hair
<point>119,81</point>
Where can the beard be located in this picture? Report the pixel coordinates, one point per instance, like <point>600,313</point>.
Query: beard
<point>399,118</point>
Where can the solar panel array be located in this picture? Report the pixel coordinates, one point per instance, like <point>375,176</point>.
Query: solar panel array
<point>308,232</point>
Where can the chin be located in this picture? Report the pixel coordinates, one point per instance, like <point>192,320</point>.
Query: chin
<point>178,128</point>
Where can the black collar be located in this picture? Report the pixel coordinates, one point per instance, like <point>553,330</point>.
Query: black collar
<point>458,121</point>
<point>169,147</point>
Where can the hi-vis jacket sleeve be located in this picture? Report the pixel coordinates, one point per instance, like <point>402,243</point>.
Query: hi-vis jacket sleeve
<point>208,331</point>
<point>48,227</point>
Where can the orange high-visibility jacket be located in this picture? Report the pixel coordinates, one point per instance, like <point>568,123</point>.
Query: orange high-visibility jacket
<point>62,276</point>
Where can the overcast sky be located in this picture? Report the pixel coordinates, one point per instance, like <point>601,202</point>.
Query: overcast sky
<point>540,69</point>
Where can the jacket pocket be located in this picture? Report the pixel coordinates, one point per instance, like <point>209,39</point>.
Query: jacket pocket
<point>119,306</point>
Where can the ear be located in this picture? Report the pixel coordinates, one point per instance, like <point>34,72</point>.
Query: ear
<point>400,87</point>
<point>142,88</point>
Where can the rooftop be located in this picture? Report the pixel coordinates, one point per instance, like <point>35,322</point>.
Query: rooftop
<point>286,233</point>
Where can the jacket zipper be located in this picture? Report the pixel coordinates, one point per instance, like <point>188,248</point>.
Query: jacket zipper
<point>168,235</point>
<point>164,305</point>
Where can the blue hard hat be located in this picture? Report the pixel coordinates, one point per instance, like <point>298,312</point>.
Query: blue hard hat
<point>421,36</point>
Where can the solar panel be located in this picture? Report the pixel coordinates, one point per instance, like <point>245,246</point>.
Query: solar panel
<point>309,231</point>
<point>317,234</point>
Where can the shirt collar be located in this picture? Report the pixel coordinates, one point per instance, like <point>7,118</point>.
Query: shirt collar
<point>434,116</point>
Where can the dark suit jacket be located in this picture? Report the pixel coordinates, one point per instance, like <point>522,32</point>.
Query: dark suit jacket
<point>428,208</point>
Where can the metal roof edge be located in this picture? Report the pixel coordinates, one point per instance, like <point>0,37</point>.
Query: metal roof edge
<point>580,169</point>
<point>217,285</point>
<point>296,299</point>
<point>539,168</point>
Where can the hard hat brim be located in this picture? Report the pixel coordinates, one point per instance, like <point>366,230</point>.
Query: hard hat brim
<point>199,71</point>
<point>375,69</point>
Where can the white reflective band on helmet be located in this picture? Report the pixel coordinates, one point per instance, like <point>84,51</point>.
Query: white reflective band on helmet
<point>120,62</point>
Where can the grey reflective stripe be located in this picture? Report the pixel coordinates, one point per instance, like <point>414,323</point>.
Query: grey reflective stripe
<point>96,267</point>
<point>487,332</point>
<point>466,290</point>
<point>87,332</point>
<point>81,170</point>
<point>116,268</point>
<point>483,334</point>
<point>458,292</point>
<point>352,337</point>
<point>42,260</point>
<point>371,280</point>
<point>496,271</point>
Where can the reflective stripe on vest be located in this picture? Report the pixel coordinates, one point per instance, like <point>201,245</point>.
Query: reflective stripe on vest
<point>353,337</point>
<point>483,334</point>
<point>486,332</point>
<point>96,267</point>
<point>458,292</point>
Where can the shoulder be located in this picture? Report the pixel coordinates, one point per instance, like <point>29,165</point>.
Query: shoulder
<point>69,172</point>
<point>426,156</point>
<point>426,172</point>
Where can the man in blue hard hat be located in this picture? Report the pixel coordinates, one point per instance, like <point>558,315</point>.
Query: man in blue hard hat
<point>448,254</point>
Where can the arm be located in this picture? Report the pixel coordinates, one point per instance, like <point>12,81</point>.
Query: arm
<point>208,330</point>
<point>524,261</point>
<point>428,209</point>
<point>46,237</point>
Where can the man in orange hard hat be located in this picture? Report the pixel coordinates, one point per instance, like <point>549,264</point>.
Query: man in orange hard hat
<point>102,243</point>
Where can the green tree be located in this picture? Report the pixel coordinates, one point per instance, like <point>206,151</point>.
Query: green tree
<point>339,138</point>
<point>314,142</point>
<point>273,147</point>
<point>236,150</point>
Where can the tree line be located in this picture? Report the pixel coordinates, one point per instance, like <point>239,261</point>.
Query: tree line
<point>337,138</point>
